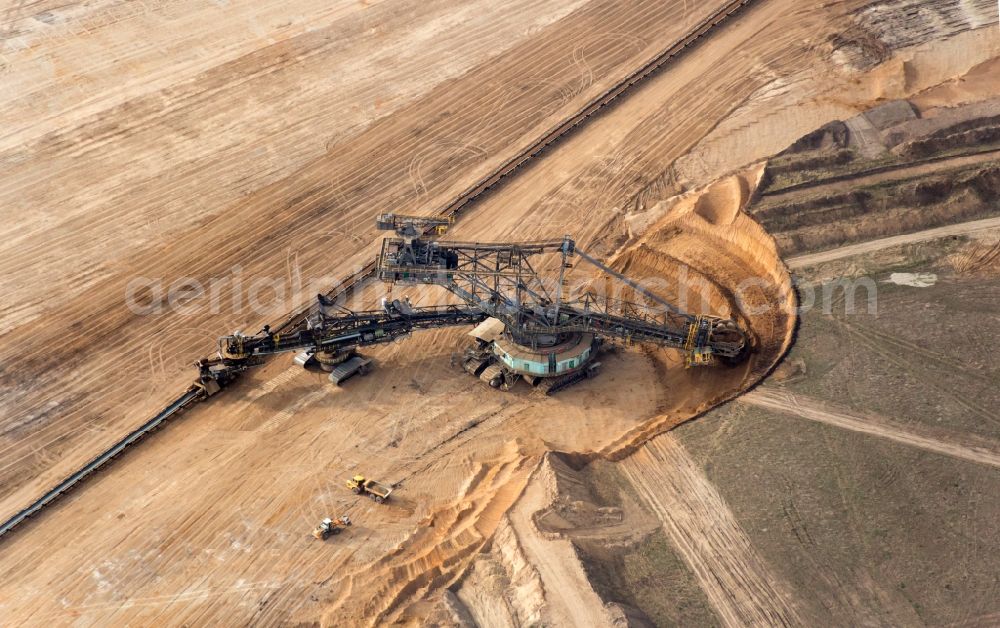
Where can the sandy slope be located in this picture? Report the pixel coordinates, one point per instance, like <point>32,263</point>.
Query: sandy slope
<point>530,577</point>
<point>570,599</point>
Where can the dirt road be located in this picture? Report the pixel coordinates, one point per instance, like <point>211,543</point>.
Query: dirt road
<point>895,173</point>
<point>707,536</point>
<point>965,228</point>
<point>954,445</point>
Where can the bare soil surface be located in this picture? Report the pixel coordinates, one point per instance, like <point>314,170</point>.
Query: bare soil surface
<point>208,522</point>
<point>936,170</point>
<point>571,600</point>
<point>861,473</point>
<point>299,228</point>
<point>899,172</point>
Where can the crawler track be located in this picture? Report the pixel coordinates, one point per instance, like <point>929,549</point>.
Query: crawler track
<point>358,279</point>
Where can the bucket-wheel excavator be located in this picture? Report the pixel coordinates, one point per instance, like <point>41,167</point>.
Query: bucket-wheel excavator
<point>527,328</point>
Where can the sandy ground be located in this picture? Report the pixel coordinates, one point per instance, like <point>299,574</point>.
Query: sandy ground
<point>301,228</point>
<point>570,600</point>
<point>167,135</point>
<point>209,521</point>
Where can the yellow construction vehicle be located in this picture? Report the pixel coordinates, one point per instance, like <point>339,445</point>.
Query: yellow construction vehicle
<point>330,526</point>
<point>363,486</point>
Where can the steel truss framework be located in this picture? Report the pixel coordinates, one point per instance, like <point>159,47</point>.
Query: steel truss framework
<point>500,280</point>
<point>493,280</point>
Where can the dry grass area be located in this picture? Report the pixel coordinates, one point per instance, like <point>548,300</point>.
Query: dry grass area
<point>261,141</point>
<point>862,472</point>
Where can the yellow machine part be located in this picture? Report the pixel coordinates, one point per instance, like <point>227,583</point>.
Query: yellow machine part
<point>698,358</point>
<point>237,353</point>
<point>692,334</point>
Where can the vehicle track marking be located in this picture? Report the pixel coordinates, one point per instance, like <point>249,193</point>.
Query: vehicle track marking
<point>707,535</point>
<point>788,403</point>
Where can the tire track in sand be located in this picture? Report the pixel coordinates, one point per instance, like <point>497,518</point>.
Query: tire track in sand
<point>939,442</point>
<point>706,535</point>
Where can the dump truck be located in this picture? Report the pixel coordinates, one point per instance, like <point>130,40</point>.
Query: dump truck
<point>363,486</point>
<point>330,526</point>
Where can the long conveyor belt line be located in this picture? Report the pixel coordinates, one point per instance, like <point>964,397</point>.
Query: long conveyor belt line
<point>359,278</point>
